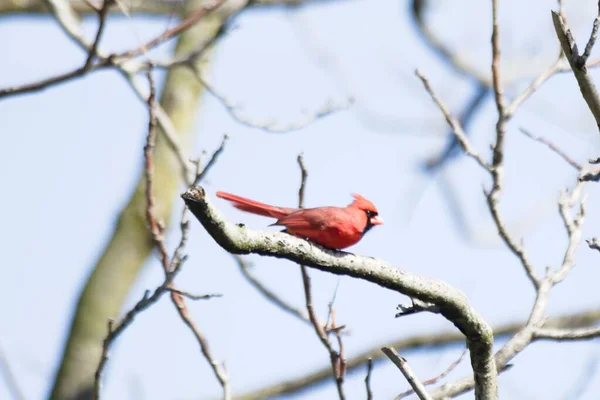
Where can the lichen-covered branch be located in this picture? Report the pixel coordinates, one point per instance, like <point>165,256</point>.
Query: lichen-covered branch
<point>452,303</point>
<point>578,62</point>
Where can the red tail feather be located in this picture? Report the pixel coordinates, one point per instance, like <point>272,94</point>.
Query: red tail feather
<point>256,207</point>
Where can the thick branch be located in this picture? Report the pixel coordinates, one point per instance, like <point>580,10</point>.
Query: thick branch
<point>578,65</point>
<point>453,304</point>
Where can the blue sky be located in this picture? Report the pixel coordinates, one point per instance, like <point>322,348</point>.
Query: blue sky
<point>71,153</point>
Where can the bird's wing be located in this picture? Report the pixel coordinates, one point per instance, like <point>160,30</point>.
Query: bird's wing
<point>315,218</point>
<point>302,219</point>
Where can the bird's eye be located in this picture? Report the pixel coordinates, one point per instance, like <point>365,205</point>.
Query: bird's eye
<point>370,213</point>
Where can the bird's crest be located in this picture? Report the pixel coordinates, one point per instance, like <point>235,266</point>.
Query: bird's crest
<point>363,204</point>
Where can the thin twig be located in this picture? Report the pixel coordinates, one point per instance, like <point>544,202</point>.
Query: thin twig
<point>183,26</point>
<point>534,86</point>
<point>170,267</point>
<point>213,159</point>
<point>552,147</point>
<point>303,176</point>
<point>408,373</point>
<point>192,296</point>
<point>527,334</point>
<point>102,12</point>
<point>573,228</point>
<point>436,379</point>
<point>453,58</point>
<point>498,153</point>
<point>592,39</point>
<point>337,363</point>
<point>268,293</point>
<point>118,60</point>
<point>269,125</point>
<point>337,332</point>
<point>368,378</point>
<point>46,82</point>
<point>321,334</point>
<point>470,110</point>
<point>496,169</point>
<point>454,124</point>
<point>567,334</point>
<point>155,226</point>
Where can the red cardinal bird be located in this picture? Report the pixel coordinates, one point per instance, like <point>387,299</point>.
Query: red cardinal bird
<point>332,227</point>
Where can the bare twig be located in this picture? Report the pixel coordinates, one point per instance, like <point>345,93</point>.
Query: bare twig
<point>496,170</point>
<point>268,293</point>
<point>337,362</point>
<point>566,334</point>
<point>408,373</point>
<point>218,369</point>
<point>114,331</point>
<point>337,331</point>
<point>102,12</point>
<point>498,153</point>
<point>47,82</point>
<point>192,296</point>
<point>270,125</point>
<point>454,124</point>
<point>368,378</point>
<point>536,319</point>
<point>303,176</point>
<point>535,85</point>
<point>470,110</point>
<point>156,228</point>
<point>184,25</point>
<point>578,62</point>
<point>321,334</point>
<point>436,379</point>
<point>592,40</point>
<point>170,266</point>
<point>460,65</point>
<point>573,228</point>
<point>213,159</point>
<point>552,147</point>
<point>68,20</point>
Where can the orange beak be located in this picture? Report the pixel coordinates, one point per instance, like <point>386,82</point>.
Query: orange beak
<point>376,220</point>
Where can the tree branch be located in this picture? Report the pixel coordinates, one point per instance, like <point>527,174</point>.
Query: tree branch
<point>368,379</point>
<point>566,334</point>
<point>433,341</point>
<point>437,378</point>
<point>335,357</point>
<point>456,127</point>
<point>553,147</point>
<point>578,62</point>
<point>452,303</point>
<point>408,373</point>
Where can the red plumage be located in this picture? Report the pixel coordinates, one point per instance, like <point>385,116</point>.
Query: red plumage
<point>332,227</point>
